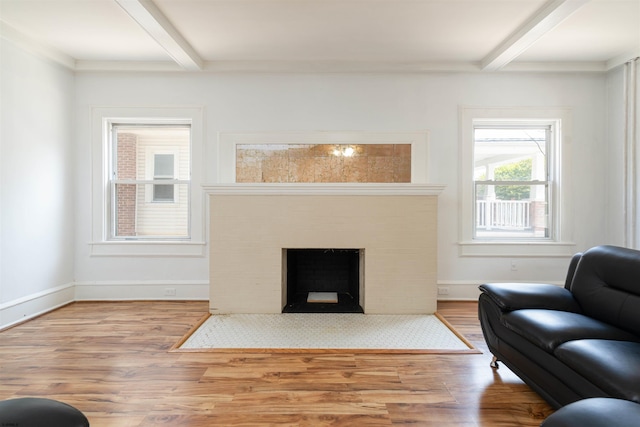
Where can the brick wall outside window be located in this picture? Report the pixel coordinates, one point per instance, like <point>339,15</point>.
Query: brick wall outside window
<point>126,193</point>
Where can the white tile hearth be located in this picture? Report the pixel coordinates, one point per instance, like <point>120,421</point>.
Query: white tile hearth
<point>324,331</point>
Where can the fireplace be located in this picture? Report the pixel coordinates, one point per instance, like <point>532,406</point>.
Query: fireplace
<point>323,280</point>
<point>392,226</point>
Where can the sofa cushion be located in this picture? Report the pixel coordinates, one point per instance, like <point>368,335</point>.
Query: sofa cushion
<point>613,365</point>
<point>549,328</point>
<point>596,412</point>
<point>607,288</point>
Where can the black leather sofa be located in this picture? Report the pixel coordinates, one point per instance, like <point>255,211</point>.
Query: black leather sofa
<point>576,342</point>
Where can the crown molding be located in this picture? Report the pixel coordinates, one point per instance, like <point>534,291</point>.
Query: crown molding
<point>138,66</point>
<point>343,67</point>
<point>623,59</point>
<point>36,47</point>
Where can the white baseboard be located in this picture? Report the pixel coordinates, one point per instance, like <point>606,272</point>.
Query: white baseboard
<point>142,290</point>
<point>25,308</point>
<point>30,306</point>
<point>451,290</point>
<point>458,290</point>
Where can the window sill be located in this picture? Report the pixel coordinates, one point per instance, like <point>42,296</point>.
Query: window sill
<point>516,249</point>
<point>148,249</point>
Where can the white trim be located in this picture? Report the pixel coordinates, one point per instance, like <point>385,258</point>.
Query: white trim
<point>100,245</point>
<point>311,189</point>
<point>343,67</point>
<point>467,290</point>
<point>137,248</point>
<point>148,290</point>
<point>546,19</point>
<point>631,154</point>
<point>155,23</point>
<point>516,250</point>
<point>34,305</point>
<point>36,47</point>
<point>623,59</point>
<point>227,142</point>
<point>83,65</point>
<point>562,235</point>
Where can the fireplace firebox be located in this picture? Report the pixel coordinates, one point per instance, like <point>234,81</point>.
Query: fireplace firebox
<point>323,280</point>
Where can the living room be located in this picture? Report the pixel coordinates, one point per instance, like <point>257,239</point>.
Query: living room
<point>55,245</point>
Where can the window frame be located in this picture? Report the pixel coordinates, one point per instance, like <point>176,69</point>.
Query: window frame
<point>102,243</point>
<point>560,203</point>
<point>149,180</point>
<point>551,140</point>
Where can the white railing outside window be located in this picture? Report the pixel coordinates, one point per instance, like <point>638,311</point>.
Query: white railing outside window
<point>503,214</point>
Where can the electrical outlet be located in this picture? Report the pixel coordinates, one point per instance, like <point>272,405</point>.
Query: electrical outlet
<point>170,292</point>
<point>443,291</point>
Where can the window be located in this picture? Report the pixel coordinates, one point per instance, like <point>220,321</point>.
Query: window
<point>163,169</point>
<point>511,180</point>
<point>149,180</point>
<point>125,219</point>
<point>515,188</point>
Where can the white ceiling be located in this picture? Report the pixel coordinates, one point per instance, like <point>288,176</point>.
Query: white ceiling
<point>325,35</point>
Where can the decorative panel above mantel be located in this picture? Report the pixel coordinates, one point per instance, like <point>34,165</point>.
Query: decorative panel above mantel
<point>323,163</point>
<point>323,157</point>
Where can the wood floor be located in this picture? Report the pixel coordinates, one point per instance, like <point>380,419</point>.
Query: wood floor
<point>112,361</point>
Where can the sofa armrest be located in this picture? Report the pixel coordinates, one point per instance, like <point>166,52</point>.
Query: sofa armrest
<point>515,296</point>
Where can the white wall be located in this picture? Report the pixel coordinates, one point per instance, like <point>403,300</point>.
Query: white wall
<point>36,185</point>
<point>365,102</point>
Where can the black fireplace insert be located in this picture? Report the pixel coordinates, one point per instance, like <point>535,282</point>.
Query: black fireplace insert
<point>315,276</point>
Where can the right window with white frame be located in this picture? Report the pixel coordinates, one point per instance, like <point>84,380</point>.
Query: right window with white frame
<point>511,181</point>
<point>515,187</point>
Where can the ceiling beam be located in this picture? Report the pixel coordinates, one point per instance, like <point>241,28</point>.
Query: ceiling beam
<point>547,18</point>
<point>156,24</point>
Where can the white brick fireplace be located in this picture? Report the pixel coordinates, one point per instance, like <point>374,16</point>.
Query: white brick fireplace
<point>395,225</point>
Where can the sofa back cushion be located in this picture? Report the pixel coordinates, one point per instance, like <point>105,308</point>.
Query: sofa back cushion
<point>606,284</point>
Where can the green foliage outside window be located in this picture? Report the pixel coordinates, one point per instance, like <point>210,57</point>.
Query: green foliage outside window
<point>519,171</point>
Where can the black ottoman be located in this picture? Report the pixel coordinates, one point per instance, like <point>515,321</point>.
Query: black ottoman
<point>596,412</point>
<point>37,412</point>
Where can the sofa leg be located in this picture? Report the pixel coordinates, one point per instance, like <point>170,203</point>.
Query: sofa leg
<point>494,363</point>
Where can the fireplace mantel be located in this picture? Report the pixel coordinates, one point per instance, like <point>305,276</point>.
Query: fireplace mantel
<point>395,225</point>
<point>314,189</point>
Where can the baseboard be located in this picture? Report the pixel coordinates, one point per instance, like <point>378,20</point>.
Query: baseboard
<point>467,290</point>
<point>34,305</point>
<point>25,308</point>
<point>449,290</point>
<point>142,290</point>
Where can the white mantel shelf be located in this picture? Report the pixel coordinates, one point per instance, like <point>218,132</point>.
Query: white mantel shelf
<point>329,189</point>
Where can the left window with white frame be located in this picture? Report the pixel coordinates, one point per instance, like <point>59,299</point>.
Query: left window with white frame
<point>146,175</point>
<point>149,172</point>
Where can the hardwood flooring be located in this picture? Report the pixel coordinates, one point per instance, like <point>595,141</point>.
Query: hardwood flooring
<point>112,361</point>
